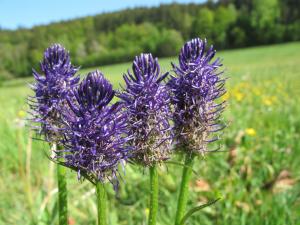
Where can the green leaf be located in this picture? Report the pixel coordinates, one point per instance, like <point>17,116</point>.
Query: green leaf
<point>195,209</point>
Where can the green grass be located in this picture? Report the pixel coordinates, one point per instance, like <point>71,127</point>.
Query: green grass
<point>258,179</point>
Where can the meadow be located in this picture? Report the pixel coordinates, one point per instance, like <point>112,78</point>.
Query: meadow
<point>257,173</point>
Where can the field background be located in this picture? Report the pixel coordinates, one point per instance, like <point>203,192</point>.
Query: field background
<point>257,176</point>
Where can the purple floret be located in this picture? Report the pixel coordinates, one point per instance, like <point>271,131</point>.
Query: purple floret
<point>147,104</point>
<point>51,89</point>
<point>196,90</point>
<point>96,133</point>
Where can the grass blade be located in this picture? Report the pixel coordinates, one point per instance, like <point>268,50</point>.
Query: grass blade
<point>195,209</point>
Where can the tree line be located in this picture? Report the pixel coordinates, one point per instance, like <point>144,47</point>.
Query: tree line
<point>118,36</point>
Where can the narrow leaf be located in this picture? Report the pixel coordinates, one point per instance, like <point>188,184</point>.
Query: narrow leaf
<point>195,209</point>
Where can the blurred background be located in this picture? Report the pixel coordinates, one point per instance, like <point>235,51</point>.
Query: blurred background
<point>257,173</point>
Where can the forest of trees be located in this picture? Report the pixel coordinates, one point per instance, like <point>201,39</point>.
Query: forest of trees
<point>119,36</point>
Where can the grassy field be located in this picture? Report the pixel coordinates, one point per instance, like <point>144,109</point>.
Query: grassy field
<point>257,175</point>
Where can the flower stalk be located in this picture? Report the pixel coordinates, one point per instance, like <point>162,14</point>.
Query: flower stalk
<point>101,203</point>
<point>184,188</point>
<point>62,194</point>
<point>153,194</point>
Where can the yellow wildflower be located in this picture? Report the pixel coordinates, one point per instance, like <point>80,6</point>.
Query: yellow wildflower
<point>250,131</point>
<point>21,114</point>
<point>239,96</point>
<point>269,100</point>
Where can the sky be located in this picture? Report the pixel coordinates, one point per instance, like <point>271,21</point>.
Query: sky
<point>28,13</point>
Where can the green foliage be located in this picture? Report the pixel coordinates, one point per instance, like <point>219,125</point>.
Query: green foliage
<point>169,43</point>
<point>237,36</point>
<point>203,25</point>
<point>293,31</point>
<point>264,17</point>
<point>265,13</point>
<point>143,36</point>
<point>119,36</point>
<point>224,17</point>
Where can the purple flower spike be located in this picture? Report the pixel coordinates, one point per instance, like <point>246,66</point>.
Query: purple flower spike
<point>147,104</point>
<point>51,89</point>
<point>195,95</point>
<point>96,131</point>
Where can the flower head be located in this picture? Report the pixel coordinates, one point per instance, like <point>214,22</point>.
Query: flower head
<point>146,100</point>
<point>195,92</point>
<point>51,89</point>
<point>96,131</point>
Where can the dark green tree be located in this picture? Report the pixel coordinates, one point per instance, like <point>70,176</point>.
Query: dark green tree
<point>203,24</point>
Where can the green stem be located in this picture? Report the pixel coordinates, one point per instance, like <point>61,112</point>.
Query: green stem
<point>62,194</point>
<point>101,202</point>
<point>153,195</point>
<point>184,188</point>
